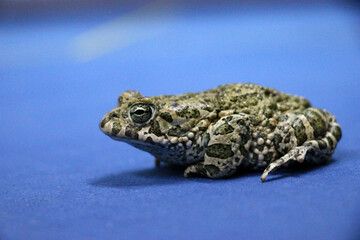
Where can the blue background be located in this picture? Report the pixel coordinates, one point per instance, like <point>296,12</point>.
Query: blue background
<point>61,178</point>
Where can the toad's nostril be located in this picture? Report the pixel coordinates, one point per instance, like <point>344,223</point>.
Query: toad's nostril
<point>113,115</point>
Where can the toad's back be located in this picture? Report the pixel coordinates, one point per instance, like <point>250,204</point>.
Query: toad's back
<point>245,98</point>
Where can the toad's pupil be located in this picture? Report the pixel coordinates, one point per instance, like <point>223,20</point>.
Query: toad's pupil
<point>140,111</point>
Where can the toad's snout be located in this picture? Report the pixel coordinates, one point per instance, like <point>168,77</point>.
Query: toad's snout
<point>104,124</point>
<point>108,123</point>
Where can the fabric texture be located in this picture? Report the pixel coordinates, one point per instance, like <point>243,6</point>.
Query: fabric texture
<point>61,178</point>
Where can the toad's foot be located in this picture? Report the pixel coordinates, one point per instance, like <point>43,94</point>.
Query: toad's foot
<point>312,152</point>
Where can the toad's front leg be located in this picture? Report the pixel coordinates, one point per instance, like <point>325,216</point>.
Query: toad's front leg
<point>225,149</point>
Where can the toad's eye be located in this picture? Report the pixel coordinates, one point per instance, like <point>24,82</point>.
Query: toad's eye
<point>140,112</point>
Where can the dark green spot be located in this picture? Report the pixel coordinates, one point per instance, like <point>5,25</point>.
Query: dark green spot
<point>218,150</point>
<point>283,118</point>
<point>267,92</point>
<point>175,104</point>
<point>131,132</point>
<point>277,140</point>
<point>207,108</point>
<point>202,129</point>
<point>268,113</point>
<point>212,169</point>
<point>120,100</point>
<point>229,118</point>
<point>166,116</point>
<point>241,122</point>
<point>224,129</point>
<point>336,131</point>
<point>330,141</point>
<point>116,128</point>
<point>104,121</point>
<point>273,106</point>
<point>300,132</point>
<point>243,150</point>
<point>199,150</point>
<point>322,144</point>
<point>155,129</point>
<point>256,121</point>
<point>188,112</point>
<point>287,138</point>
<point>317,122</point>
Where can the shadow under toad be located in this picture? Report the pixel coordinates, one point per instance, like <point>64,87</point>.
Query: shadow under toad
<point>165,175</point>
<point>148,177</point>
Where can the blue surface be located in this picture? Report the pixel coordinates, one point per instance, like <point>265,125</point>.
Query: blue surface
<point>61,178</point>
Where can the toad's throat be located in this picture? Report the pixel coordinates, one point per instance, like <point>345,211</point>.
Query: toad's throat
<point>166,153</point>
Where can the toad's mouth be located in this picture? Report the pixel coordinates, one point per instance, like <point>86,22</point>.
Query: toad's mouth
<point>157,149</point>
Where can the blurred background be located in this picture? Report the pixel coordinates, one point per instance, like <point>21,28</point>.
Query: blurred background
<point>63,64</point>
<point>138,43</point>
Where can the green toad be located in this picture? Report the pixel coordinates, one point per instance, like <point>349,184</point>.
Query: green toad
<point>218,131</point>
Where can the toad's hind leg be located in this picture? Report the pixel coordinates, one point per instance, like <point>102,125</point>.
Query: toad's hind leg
<point>312,151</point>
